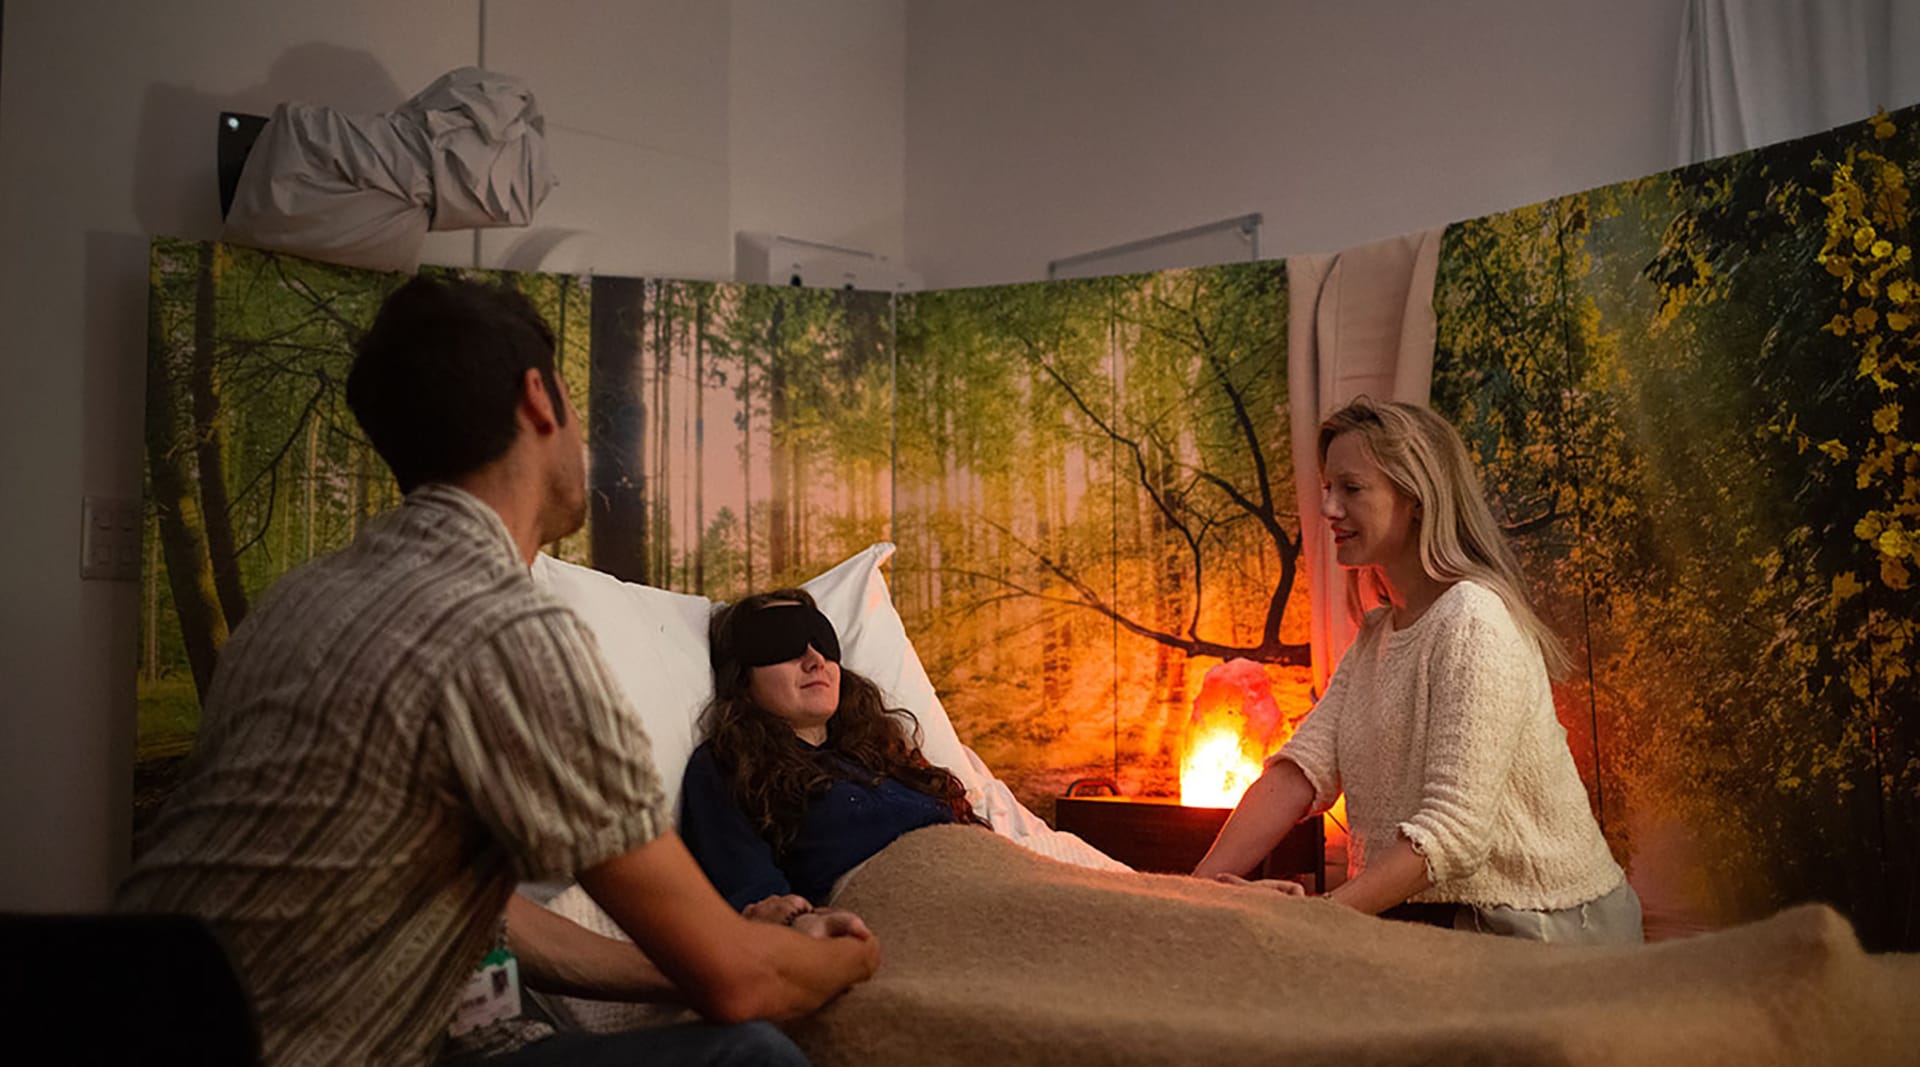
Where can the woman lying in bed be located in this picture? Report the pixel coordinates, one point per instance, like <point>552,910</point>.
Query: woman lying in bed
<point>805,772</point>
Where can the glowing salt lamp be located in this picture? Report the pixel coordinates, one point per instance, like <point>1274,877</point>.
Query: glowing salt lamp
<point>1235,725</point>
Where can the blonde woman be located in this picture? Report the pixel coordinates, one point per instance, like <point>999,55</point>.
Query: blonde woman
<point>1438,726</point>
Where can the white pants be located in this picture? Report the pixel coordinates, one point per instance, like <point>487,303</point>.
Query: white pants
<point>1612,919</point>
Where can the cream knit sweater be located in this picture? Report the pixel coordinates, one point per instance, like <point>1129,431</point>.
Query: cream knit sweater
<point>1444,732</point>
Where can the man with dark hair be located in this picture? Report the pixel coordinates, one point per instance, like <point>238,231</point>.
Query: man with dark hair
<point>404,729</point>
<point>439,373</point>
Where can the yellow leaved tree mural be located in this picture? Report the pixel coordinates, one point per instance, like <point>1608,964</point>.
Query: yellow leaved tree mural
<point>1689,395</point>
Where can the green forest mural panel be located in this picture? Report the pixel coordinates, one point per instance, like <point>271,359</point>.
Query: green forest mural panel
<point>739,438</point>
<point>1096,507</point>
<point>1089,481</point>
<point>1693,398</point>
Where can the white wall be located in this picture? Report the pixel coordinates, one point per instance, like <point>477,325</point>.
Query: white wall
<point>818,131</point>
<point>635,96</point>
<point>107,136</point>
<point>1041,130</point>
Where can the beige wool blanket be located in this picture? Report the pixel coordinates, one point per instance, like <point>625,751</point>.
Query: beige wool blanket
<point>994,956</point>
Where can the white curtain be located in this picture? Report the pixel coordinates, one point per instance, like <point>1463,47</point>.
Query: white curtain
<point>1358,323</point>
<point>1753,72</point>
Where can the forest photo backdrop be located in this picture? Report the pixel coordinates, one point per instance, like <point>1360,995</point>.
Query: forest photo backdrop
<point>1089,482</point>
<point>1692,398</point>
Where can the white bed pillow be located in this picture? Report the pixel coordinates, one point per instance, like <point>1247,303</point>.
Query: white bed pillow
<point>655,643</point>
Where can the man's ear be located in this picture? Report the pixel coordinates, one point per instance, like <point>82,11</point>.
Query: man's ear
<point>536,404</point>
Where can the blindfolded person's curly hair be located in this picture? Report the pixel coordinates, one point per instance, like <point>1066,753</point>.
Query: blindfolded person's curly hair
<point>771,772</point>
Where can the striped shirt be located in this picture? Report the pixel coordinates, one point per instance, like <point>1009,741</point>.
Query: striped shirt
<point>399,733</point>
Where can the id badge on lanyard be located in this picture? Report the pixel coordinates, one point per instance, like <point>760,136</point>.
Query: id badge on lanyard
<point>491,995</point>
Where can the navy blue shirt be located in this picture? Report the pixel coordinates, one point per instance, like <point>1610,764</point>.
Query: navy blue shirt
<point>840,828</point>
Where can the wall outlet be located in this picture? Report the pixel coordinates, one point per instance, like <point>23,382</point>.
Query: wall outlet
<point>110,538</point>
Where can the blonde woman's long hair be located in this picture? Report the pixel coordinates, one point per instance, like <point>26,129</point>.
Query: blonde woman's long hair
<point>1424,457</point>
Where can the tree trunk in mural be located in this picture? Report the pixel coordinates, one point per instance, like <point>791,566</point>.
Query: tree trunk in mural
<point>663,318</point>
<point>779,487</point>
<point>941,418</point>
<point>744,348</point>
<point>150,580</point>
<point>203,629</point>
<point>361,507</point>
<point>700,443</point>
<point>1048,491</point>
<point>618,502</point>
<point>313,488</point>
<point>210,448</point>
<point>797,507</point>
<point>1170,602</point>
<point>1263,504</point>
<point>560,334</point>
<point>797,502</point>
<point>683,569</point>
<point>1059,623</point>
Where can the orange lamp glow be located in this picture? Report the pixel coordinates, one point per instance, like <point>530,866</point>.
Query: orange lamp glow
<point>1217,770</point>
<point>1235,724</point>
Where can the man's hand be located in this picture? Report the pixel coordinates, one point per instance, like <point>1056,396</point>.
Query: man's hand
<point>778,910</point>
<point>832,922</point>
<point>1278,885</point>
<point>730,969</point>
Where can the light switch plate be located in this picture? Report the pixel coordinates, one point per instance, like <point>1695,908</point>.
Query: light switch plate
<point>110,538</point>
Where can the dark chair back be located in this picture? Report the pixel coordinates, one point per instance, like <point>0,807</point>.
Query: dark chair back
<point>123,990</point>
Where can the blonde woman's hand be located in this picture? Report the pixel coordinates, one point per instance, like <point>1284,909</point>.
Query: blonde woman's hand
<point>832,922</point>
<point>780,910</point>
<point>1279,885</point>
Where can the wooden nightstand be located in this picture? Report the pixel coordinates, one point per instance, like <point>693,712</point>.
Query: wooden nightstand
<point>1164,836</point>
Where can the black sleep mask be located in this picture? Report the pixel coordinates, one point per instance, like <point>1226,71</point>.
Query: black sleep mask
<point>780,632</point>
